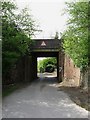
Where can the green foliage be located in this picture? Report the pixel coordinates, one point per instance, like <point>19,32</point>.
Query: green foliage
<point>26,23</point>
<point>46,62</point>
<point>17,30</point>
<point>50,68</point>
<point>76,35</point>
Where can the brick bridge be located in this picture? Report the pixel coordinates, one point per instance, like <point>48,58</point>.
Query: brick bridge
<point>27,66</point>
<point>48,48</point>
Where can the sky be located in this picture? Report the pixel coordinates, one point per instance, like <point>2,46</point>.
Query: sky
<point>47,14</point>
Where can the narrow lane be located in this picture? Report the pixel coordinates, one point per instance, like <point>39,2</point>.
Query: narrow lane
<point>41,100</point>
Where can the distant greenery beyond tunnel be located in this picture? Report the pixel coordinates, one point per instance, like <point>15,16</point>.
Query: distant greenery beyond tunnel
<point>47,65</point>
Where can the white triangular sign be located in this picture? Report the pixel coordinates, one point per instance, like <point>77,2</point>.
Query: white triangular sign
<point>43,43</point>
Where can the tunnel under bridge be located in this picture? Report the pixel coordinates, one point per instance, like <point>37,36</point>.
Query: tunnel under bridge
<point>47,48</point>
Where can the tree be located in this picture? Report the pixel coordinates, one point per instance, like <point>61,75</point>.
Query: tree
<point>17,31</point>
<point>52,62</point>
<point>76,35</point>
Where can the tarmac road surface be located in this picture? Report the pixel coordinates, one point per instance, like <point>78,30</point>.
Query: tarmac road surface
<point>41,99</point>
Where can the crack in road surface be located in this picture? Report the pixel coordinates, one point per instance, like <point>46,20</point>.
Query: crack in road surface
<point>41,100</point>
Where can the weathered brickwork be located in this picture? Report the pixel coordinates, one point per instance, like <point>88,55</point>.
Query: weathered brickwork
<point>71,72</point>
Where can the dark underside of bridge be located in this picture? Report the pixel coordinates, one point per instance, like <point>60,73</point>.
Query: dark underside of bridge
<point>45,54</point>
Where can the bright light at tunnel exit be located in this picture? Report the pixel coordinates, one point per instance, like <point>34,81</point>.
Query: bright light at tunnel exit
<point>42,72</point>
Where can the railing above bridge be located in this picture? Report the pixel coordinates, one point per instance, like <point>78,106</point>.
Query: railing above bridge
<point>46,44</point>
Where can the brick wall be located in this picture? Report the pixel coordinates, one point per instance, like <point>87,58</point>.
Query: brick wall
<point>71,72</point>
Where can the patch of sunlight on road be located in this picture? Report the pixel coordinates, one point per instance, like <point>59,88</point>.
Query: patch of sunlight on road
<point>44,104</point>
<point>37,102</point>
<point>48,75</point>
<point>53,85</point>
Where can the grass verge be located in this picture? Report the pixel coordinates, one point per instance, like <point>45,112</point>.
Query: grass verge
<point>8,89</point>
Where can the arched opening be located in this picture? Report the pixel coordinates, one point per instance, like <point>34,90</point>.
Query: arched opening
<point>46,67</point>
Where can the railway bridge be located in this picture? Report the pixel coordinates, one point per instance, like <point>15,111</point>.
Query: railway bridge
<point>47,48</point>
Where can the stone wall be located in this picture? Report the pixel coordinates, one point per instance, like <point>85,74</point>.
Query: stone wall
<point>71,72</point>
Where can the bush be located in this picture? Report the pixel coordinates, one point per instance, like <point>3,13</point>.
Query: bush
<point>50,68</point>
<point>47,65</point>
